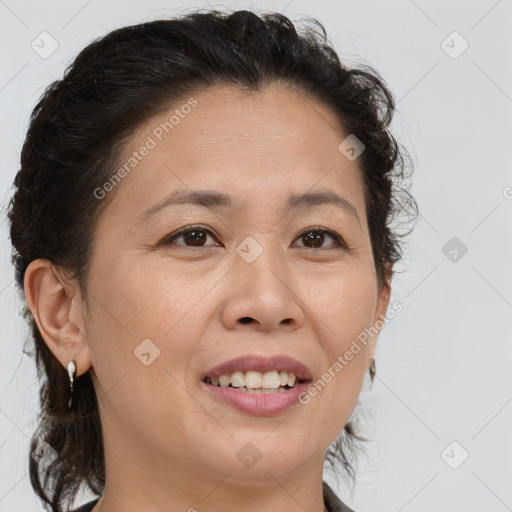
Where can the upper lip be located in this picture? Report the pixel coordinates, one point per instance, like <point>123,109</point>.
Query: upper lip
<point>254,362</point>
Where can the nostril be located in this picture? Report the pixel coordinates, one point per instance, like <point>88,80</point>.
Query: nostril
<point>246,320</point>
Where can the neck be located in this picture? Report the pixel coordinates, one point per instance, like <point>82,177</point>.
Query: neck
<point>155,489</point>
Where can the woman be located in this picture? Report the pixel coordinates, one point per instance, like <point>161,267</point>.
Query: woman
<point>201,231</point>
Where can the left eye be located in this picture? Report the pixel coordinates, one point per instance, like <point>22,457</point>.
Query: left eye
<point>197,235</point>
<point>317,235</point>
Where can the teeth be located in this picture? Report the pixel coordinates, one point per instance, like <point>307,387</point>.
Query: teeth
<point>261,391</point>
<point>256,381</point>
<point>271,380</point>
<point>253,380</point>
<point>237,380</point>
<point>224,381</point>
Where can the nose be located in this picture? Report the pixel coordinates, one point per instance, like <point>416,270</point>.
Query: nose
<point>262,295</point>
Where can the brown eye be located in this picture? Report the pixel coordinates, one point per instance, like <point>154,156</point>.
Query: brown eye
<point>193,236</point>
<point>314,238</point>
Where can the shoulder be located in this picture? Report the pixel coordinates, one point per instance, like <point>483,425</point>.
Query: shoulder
<point>331,500</point>
<point>87,507</point>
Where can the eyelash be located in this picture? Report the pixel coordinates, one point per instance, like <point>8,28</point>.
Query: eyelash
<point>318,230</point>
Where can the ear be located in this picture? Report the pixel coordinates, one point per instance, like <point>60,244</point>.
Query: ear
<point>56,305</point>
<point>384,293</point>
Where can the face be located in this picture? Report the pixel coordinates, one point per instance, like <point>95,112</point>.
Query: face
<point>165,307</point>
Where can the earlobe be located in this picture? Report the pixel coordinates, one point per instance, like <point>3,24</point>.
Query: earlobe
<point>51,299</point>
<point>384,295</point>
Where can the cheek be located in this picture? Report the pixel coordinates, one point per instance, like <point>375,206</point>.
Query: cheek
<point>343,313</point>
<point>141,325</point>
<point>344,302</point>
<point>151,302</point>
<point>143,336</point>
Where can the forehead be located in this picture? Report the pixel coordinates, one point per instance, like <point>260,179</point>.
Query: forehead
<point>250,145</point>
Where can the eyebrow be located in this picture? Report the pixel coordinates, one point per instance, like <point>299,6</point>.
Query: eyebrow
<point>218,200</point>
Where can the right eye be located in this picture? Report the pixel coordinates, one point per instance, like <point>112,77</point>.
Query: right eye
<point>195,235</point>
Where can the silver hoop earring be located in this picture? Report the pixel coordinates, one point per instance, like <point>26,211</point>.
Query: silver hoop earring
<point>372,369</point>
<point>71,372</point>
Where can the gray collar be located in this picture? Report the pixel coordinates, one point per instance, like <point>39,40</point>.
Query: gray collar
<point>331,500</point>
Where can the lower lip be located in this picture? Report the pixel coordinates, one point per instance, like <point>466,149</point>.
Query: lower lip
<point>259,404</point>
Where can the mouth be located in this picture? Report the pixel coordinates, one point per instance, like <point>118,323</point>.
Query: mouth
<point>258,401</point>
<point>216,382</point>
<point>258,385</point>
<point>255,373</point>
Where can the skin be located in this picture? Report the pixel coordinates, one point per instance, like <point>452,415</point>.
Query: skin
<point>169,445</point>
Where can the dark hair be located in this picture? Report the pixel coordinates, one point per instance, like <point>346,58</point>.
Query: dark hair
<point>77,135</point>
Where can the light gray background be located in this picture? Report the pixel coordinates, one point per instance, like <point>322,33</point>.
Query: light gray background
<point>444,363</point>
